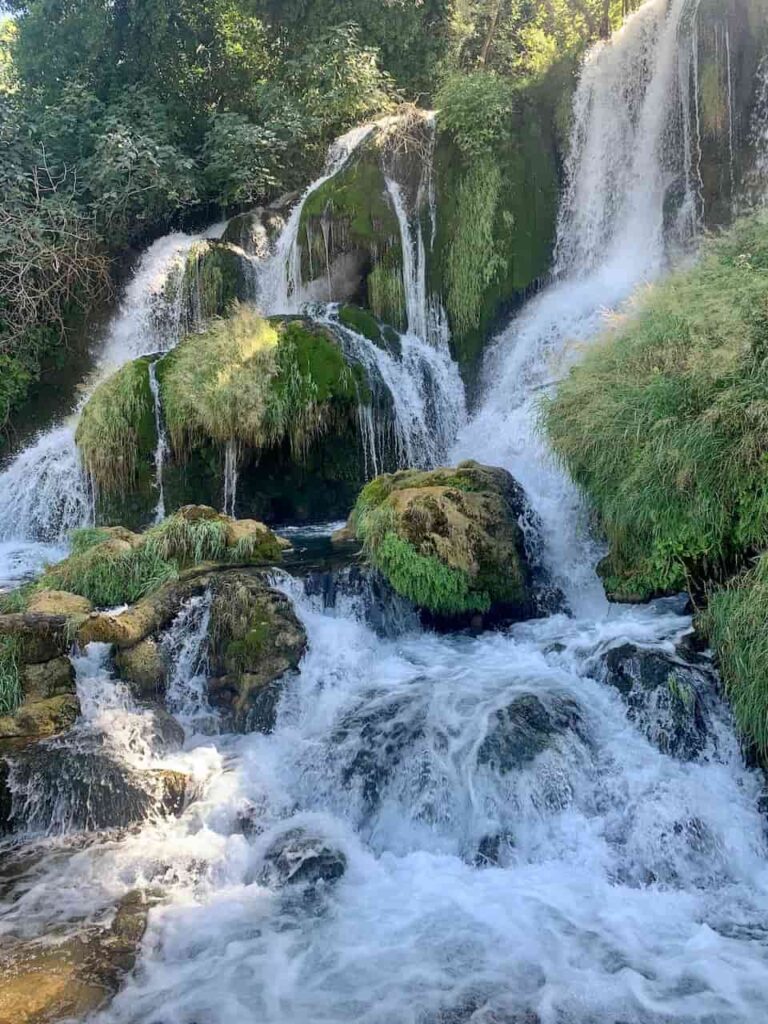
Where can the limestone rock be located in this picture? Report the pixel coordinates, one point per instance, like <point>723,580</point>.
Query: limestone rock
<point>255,639</point>
<point>142,667</point>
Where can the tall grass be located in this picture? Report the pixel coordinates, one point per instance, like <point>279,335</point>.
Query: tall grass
<point>10,679</point>
<point>665,423</point>
<point>736,622</point>
<point>107,577</point>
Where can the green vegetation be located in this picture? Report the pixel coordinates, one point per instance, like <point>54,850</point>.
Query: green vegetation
<point>425,580</point>
<point>256,383</point>
<point>10,679</point>
<point>109,575</point>
<point>736,622</point>
<point>116,431</point>
<point>186,541</point>
<point>664,423</point>
<point>86,537</point>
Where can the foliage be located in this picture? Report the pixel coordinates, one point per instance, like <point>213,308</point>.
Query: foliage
<point>474,260</point>
<point>665,422</point>
<point>247,380</point>
<point>243,161</point>
<point>424,580</point>
<point>736,622</point>
<point>86,537</point>
<point>476,111</point>
<point>10,679</point>
<point>117,428</point>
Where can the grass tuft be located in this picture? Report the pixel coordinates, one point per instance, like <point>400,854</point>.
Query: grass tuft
<point>109,577</point>
<point>188,541</point>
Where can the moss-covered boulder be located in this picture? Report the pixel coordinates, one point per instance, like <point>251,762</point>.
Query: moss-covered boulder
<point>37,681</point>
<point>449,540</point>
<point>277,401</point>
<point>255,640</point>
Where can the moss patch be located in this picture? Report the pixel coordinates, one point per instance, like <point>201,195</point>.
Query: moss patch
<point>665,423</point>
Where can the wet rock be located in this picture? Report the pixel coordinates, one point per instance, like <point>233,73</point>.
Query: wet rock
<point>142,667</point>
<point>667,698</point>
<point>384,610</point>
<point>522,730</point>
<point>60,788</point>
<point>255,640</point>
<point>384,733</point>
<point>298,857</point>
<point>42,981</point>
<point>168,734</point>
<point>492,850</point>
<point>39,637</point>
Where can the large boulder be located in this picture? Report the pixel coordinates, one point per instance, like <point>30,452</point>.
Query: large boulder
<point>255,639</point>
<point>449,540</point>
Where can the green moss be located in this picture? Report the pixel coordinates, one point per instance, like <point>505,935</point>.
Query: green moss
<point>212,280</point>
<point>386,293</point>
<point>257,383</point>
<point>247,651</point>
<point>736,622</point>
<point>116,431</point>
<point>664,423</point>
<point>10,677</point>
<point>357,198</point>
<point>361,321</point>
<point>257,547</point>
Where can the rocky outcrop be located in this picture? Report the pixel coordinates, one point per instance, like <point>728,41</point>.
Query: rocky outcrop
<point>449,540</point>
<point>255,639</point>
<point>298,857</point>
<point>669,698</point>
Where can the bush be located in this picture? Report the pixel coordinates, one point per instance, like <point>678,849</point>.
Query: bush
<point>665,423</point>
<point>476,111</point>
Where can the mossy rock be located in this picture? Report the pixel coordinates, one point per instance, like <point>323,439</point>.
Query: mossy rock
<point>449,539</point>
<point>255,640</point>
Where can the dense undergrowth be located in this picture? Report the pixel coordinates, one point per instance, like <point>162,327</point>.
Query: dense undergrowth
<point>665,422</point>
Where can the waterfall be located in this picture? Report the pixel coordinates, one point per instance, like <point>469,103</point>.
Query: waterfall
<point>161,449</point>
<point>759,137</point>
<point>231,470</point>
<point>414,264</point>
<point>280,287</point>
<point>424,395</point>
<point>185,647</point>
<point>44,492</point>
<point>628,147</point>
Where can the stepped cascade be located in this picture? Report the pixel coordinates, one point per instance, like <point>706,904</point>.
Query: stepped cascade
<point>549,823</point>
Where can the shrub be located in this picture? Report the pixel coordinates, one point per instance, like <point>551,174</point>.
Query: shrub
<point>476,110</point>
<point>665,423</point>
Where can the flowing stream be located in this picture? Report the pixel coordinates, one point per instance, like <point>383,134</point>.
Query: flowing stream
<point>585,874</point>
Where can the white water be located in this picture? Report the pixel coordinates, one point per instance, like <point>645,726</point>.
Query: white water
<point>759,133</point>
<point>44,492</point>
<point>231,472</point>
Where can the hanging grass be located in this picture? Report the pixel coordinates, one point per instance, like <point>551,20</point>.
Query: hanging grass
<point>116,431</point>
<point>258,383</point>
<point>736,622</point>
<point>665,423</point>
<point>10,677</point>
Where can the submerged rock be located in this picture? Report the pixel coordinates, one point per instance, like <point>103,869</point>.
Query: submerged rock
<point>667,698</point>
<point>142,667</point>
<point>527,727</point>
<point>299,857</point>
<point>450,540</point>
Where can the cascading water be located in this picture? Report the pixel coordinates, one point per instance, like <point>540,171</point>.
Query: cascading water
<point>469,829</point>
<point>759,134</point>
<point>44,492</point>
<point>630,149</point>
